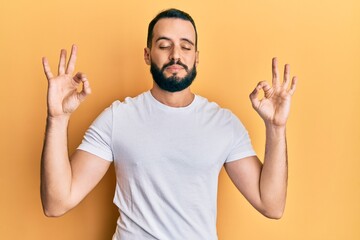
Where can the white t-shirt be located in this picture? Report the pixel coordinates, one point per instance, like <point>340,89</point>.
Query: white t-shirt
<point>167,162</point>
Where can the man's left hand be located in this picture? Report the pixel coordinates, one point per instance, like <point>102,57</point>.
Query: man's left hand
<point>274,107</point>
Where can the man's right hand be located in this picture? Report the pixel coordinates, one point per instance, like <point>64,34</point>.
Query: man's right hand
<point>63,97</point>
<point>65,180</point>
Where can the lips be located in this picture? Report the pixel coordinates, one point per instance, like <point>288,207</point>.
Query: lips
<point>175,67</point>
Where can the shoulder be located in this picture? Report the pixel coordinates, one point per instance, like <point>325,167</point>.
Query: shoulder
<point>128,103</point>
<point>214,110</point>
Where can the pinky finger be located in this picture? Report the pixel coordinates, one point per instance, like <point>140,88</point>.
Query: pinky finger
<point>47,69</point>
<point>293,86</point>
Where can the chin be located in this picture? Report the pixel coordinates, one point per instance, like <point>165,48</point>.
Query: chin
<point>176,75</point>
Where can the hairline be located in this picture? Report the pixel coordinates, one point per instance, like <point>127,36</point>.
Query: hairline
<point>177,14</point>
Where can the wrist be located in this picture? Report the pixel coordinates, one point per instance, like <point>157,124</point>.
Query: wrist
<point>275,130</point>
<point>59,117</point>
<point>58,120</point>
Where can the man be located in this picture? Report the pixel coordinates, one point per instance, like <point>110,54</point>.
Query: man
<point>168,144</point>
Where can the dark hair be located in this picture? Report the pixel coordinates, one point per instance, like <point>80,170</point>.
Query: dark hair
<point>170,13</point>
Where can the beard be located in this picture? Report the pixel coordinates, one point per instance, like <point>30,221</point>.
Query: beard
<point>172,83</point>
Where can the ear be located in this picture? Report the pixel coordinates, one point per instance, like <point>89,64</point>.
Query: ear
<point>196,58</point>
<point>147,56</point>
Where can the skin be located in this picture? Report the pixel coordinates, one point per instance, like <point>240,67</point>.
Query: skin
<point>65,180</point>
<point>265,185</point>
<point>173,39</point>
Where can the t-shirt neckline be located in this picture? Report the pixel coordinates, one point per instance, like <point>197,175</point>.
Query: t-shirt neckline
<point>154,101</point>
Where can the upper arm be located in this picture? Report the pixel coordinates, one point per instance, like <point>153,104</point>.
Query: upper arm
<point>245,174</point>
<point>87,171</point>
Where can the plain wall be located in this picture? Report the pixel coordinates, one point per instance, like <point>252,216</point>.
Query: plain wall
<point>237,39</point>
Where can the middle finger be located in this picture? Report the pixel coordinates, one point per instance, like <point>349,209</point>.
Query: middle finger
<point>62,62</point>
<point>275,73</point>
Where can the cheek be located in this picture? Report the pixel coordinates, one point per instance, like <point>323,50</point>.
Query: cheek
<point>158,59</point>
<point>190,60</point>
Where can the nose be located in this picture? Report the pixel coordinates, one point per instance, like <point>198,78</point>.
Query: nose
<point>175,54</point>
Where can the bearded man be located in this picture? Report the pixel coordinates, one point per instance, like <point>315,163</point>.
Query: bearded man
<point>168,144</point>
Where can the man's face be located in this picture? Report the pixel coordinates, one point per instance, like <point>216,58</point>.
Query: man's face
<point>173,57</point>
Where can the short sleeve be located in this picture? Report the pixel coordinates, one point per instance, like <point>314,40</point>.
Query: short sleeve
<point>241,146</point>
<point>98,138</point>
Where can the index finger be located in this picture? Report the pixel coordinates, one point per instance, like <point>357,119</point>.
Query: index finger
<point>71,64</point>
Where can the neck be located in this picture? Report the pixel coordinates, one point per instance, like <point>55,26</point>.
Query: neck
<point>173,99</point>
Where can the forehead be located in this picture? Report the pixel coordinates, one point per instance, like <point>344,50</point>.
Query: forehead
<point>174,28</point>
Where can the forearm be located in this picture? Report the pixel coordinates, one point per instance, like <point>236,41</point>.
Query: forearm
<point>274,173</point>
<point>55,167</point>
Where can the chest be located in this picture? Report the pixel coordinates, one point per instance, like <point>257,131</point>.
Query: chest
<point>179,143</point>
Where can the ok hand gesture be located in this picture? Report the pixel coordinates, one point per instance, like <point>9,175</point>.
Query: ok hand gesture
<point>274,107</point>
<point>63,97</point>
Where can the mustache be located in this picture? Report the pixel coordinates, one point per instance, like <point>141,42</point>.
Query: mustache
<point>173,62</point>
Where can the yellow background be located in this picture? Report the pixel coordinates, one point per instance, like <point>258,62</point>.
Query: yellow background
<point>237,39</point>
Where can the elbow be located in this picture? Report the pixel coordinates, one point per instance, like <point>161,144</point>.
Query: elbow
<point>53,210</point>
<point>54,207</point>
<point>273,213</point>
<point>53,213</point>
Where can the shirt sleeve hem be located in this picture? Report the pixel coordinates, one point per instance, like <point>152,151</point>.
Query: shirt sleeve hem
<point>240,156</point>
<point>97,152</point>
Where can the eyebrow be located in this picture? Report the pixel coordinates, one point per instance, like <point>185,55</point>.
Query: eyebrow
<point>168,39</point>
